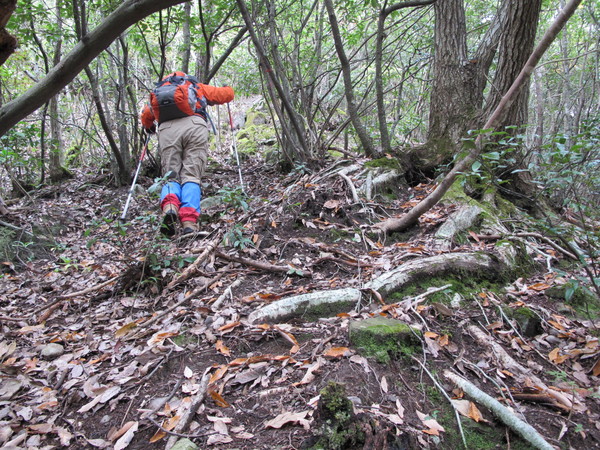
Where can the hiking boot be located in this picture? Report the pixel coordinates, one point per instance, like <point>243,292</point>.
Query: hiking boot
<point>189,227</point>
<point>169,220</point>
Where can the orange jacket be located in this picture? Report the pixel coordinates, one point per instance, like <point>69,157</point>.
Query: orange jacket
<point>213,95</point>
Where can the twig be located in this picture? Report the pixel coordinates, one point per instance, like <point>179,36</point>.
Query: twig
<point>495,237</point>
<point>75,294</point>
<point>443,392</point>
<point>187,273</point>
<point>219,301</point>
<point>351,186</point>
<point>187,417</point>
<point>257,264</point>
<point>523,429</point>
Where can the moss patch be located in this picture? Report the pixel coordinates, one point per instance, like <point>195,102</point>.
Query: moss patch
<point>384,163</point>
<point>339,429</point>
<point>384,338</point>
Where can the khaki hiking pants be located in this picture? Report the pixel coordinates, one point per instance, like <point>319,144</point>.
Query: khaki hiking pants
<point>183,148</point>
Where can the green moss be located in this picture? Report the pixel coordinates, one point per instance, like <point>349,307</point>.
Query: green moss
<point>316,312</point>
<point>463,284</point>
<point>479,436</point>
<point>339,430</point>
<point>384,163</point>
<point>384,338</point>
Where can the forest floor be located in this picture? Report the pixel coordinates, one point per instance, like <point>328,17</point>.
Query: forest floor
<point>110,330</point>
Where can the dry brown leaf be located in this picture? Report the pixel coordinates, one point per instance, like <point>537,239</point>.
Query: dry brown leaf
<point>125,329</point>
<point>289,418</point>
<point>222,348</point>
<point>596,368</point>
<point>539,287</point>
<point>218,399</point>
<point>230,326</point>
<point>433,427</point>
<point>337,352</point>
<point>556,357</point>
<point>125,440</point>
<point>221,370</point>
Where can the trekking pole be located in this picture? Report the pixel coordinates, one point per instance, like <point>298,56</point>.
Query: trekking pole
<point>135,179</point>
<point>237,157</point>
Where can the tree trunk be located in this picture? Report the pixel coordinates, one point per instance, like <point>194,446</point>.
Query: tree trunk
<point>128,13</point>
<point>56,158</point>
<point>363,136</point>
<point>516,44</point>
<point>453,89</point>
<point>493,121</point>
<point>186,45</point>
<point>8,43</point>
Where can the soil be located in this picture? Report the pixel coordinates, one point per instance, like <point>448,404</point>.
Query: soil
<point>138,340</point>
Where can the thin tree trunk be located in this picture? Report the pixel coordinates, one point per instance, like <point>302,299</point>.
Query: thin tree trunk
<point>493,121</point>
<point>186,46</point>
<point>55,160</point>
<point>379,88</point>
<point>126,14</point>
<point>266,66</point>
<point>363,136</point>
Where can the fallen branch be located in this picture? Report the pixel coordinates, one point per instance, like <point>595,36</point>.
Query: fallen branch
<point>351,186</point>
<point>227,294</point>
<point>547,240</point>
<point>62,298</point>
<point>189,270</point>
<point>523,429</point>
<point>443,392</point>
<point>187,417</point>
<point>257,264</point>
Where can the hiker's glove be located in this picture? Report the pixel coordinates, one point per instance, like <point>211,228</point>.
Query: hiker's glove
<point>150,130</point>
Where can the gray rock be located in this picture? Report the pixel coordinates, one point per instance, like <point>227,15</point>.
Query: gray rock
<point>52,351</point>
<point>184,444</point>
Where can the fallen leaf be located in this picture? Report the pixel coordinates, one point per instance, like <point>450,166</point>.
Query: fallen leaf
<point>125,329</point>
<point>230,326</point>
<point>539,286</point>
<point>222,348</point>
<point>596,368</point>
<point>125,440</point>
<point>384,384</point>
<point>337,352</point>
<point>218,399</point>
<point>434,427</point>
<point>289,418</point>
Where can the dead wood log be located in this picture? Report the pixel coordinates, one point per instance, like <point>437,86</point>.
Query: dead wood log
<point>523,429</point>
<point>480,264</point>
<point>305,304</point>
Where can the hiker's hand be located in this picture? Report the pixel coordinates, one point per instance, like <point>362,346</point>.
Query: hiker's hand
<point>150,130</point>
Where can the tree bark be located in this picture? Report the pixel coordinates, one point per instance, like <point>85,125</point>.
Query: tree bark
<point>515,47</point>
<point>453,91</point>
<point>128,13</point>
<point>186,46</point>
<point>8,43</point>
<point>363,136</point>
<point>411,218</point>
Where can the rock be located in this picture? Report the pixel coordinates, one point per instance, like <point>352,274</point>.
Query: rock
<point>383,338</point>
<point>184,444</point>
<point>529,322</point>
<point>52,351</point>
<point>460,220</point>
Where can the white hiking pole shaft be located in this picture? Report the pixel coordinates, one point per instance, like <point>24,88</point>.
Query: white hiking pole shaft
<point>237,157</point>
<point>137,171</point>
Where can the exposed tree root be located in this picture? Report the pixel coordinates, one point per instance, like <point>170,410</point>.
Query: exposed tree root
<point>523,429</point>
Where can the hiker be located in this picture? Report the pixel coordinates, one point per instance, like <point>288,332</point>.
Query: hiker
<point>178,106</point>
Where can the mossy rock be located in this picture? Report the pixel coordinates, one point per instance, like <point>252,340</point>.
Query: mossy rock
<point>384,338</point>
<point>528,321</point>
<point>385,163</point>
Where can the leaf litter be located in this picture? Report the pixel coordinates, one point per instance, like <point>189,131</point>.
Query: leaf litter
<point>133,351</point>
